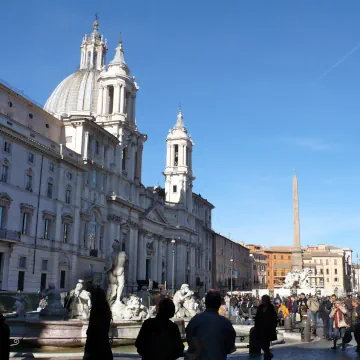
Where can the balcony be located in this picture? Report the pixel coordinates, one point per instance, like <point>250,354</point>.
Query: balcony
<point>10,235</point>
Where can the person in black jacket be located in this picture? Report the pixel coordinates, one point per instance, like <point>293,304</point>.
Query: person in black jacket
<point>159,338</point>
<point>265,325</point>
<point>97,344</point>
<point>4,339</point>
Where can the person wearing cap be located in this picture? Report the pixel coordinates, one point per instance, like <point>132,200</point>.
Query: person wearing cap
<point>339,324</point>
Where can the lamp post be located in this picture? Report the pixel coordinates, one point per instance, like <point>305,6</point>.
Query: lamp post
<point>231,277</point>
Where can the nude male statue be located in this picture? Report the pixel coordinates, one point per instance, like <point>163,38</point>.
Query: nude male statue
<point>116,274</point>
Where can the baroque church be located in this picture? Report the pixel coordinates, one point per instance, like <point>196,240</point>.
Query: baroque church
<point>71,184</point>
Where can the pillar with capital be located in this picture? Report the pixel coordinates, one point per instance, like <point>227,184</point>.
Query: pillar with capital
<point>132,256</point>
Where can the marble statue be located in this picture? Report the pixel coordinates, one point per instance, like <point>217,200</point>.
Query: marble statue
<point>184,301</point>
<point>19,305</point>
<point>134,310</point>
<point>79,303</point>
<point>115,270</point>
<point>53,303</point>
<point>298,279</point>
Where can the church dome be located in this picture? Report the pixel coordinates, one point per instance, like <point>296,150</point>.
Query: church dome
<point>75,95</point>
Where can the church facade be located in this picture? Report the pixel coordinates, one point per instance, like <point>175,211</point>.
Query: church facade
<point>71,184</point>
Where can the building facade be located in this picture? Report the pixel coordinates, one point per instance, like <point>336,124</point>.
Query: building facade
<point>257,267</point>
<point>330,268</point>
<point>71,184</point>
<point>231,262</point>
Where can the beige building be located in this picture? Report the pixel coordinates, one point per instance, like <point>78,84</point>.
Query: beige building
<point>331,267</point>
<point>229,255</point>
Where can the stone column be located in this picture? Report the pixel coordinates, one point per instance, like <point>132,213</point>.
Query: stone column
<point>169,263</point>
<point>116,98</point>
<point>133,108</point>
<point>133,256</point>
<point>129,107</point>
<point>122,98</point>
<point>141,256</point>
<point>105,100</point>
<point>73,275</point>
<point>159,259</point>
<point>154,260</point>
<point>56,270</point>
<point>100,100</point>
<point>168,155</point>
<point>86,145</point>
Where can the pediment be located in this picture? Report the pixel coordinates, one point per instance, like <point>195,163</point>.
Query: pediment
<point>157,215</point>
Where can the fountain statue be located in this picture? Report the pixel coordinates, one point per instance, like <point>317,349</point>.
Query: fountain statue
<point>19,305</point>
<point>184,301</point>
<point>53,306</point>
<point>79,302</point>
<point>134,310</point>
<point>298,279</point>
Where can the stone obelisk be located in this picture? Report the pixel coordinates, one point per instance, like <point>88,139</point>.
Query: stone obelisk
<point>297,262</point>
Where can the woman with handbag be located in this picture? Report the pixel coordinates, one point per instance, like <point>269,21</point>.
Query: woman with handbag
<point>338,313</point>
<point>97,342</point>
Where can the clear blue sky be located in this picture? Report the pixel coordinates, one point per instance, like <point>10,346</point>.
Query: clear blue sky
<point>266,87</point>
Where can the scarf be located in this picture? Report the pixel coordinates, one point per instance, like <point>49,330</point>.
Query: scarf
<point>338,317</point>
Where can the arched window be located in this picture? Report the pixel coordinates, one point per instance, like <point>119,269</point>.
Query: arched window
<point>89,59</point>
<point>95,59</point>
<point>92,231</point>
<point>68,194</point>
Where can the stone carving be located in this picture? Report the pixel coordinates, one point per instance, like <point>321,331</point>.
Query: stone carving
<point>184,301</point>
<point>115,270</point>
<point>298,279</point>
<point>53,305</point>
<point>79,303</point>
<point>134,310</point>
<point>150,250</point>
<point>19,305</point>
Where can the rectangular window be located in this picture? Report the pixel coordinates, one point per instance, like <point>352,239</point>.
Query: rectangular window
<point>51,167</point>
<point>44,265</point>
<point>174,188</point>
<point>62,279</point>
<point>335,271</point>
<point>21,278</point>
<point>30,157</point>
<point>66,234</point>
<point>274,256</point>
<point>97,147</point>
<point>43,282</point>
<point>123,160</point>
<point>29,182</point>
<point>25,223</point>
<point>321,272</point>
<point>86,177</point>
<point>101,237</point>
<point>102,182</point>
<point>47,229</point>
<point>335,261</point>
<point>85,234</point>
<point>336,279</point>
<point>289,257</point>
<point>327,271</point>
<point>7,147</point>
<point>176,155</point>
<point>282,257</point>
<point>94,179</point>
<point>68,196</point>
<point>2,217</point>
<point>22,262</point>
<point>49,190</point>
<point>4,173</point>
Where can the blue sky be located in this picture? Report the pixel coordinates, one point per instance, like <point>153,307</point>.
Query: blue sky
<point>266,87</point>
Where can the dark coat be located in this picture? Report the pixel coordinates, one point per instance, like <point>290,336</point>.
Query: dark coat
<point>97,342</point>
<point>265,323</point>
<point>4,339</point>
<point>214,334</point>
<point>159,339</point>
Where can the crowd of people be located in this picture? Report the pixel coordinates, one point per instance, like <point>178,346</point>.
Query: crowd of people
<point>210,334</point>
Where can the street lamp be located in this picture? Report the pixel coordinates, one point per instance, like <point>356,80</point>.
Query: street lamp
<point>173,264</point>
<point>231,278</point>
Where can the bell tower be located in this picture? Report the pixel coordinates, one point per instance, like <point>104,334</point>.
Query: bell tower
<point>178,172</point>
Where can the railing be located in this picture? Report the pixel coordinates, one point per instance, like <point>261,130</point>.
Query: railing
<point>10,235</point>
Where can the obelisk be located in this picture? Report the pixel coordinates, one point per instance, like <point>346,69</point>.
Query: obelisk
<point>296,251</point>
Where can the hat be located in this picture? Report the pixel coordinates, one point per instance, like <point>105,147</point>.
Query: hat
<point>277,302</point>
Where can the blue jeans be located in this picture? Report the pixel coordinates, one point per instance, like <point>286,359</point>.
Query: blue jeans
<point>339,333</point>
<point>331,328</point>
<point>314,317</point>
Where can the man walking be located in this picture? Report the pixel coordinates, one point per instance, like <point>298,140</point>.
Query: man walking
<point>209,335</point>
<point>314,306</point>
